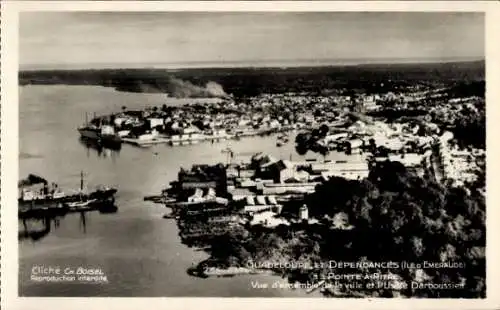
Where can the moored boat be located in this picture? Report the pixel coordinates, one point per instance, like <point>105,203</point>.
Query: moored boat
<point>282,140</point>
<point>104,134</point>
<point>100,131</point>
<point>37,196</point>
<point>85,205</point>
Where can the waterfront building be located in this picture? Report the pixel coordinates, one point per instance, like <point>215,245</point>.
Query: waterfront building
<point>339,165</point>
<point>349,170</point>
<point>203,177</point>
<point>287,188</point>
<point>285,170</point>
<point>239,193</point>
<point>217,134</point>
<point>261,162</point>
<point>213,207</point>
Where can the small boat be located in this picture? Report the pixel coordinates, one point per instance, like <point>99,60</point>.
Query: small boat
<point>283,137</point>
<point>82,205</point>
<point>237,136</point>
<point>282,140</point>
<point>160,199</point>
<point>103,205</point>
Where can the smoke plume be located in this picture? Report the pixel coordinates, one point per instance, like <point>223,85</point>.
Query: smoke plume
<point>184,89</point>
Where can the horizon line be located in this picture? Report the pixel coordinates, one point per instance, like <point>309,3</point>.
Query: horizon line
<point>292,63</point>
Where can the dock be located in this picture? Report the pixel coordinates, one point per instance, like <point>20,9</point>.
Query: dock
<point>160,199</point>
<point>146,142</point>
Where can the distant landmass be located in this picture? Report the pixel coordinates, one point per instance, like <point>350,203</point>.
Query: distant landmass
<point>248,81</point>
<point>273,63</point>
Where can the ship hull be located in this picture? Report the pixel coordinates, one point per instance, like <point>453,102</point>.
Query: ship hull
<point>61,209</point>
<point>89,134</point>
<point>112,139</point>
<point>47,201</point>
<point>99,145</point>
<point>105,140</point>
<point>51,208</point>
<point>53,202</point>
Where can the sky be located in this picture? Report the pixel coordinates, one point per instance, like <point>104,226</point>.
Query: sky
<point>99,39</point>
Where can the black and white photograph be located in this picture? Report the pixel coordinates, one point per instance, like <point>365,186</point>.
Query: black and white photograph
<point>251,154</point>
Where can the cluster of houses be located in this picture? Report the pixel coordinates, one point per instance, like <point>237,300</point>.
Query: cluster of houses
<point>446,112</point>
<point>257,190</point>
<point>459,166</point>
<point>260,188</point>
<point>396,137</point>
<point>225,119</point>
<point>219,120</point>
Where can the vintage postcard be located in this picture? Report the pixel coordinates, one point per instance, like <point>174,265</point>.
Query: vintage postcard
<point>327,153</point>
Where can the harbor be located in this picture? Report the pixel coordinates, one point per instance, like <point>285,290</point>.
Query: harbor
<point>245,154</point>
<point>153,130</point>
<point>257,190</point>
<point>107,239</point>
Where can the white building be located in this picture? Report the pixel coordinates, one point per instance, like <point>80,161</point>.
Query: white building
<point>155,122</point>
<point>304,213</point>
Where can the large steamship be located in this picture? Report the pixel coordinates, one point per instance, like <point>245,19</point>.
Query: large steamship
<point>99,130</point>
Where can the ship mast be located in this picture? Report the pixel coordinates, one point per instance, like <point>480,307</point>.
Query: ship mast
<point>81,181</point>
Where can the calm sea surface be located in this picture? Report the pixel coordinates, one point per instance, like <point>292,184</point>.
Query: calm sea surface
<point>139,251</point>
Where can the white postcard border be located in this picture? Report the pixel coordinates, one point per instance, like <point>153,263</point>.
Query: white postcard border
<point>9,153</point>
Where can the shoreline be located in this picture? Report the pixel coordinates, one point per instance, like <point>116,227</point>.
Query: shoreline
<point>233,79</point>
